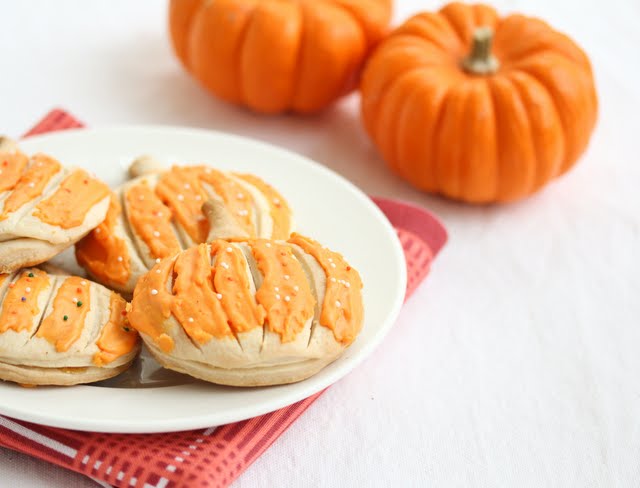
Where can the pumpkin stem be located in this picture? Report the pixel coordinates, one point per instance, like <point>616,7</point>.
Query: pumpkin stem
<point>481,61</point>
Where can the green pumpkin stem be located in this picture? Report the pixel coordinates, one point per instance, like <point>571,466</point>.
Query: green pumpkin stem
<point>481,61</point>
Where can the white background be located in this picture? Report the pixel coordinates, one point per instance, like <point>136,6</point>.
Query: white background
<point>518,361</point>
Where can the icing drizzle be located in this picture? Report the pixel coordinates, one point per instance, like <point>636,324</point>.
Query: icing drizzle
<point>342,309</point>
<point>151,219</point>
<point>31,184</point>
<point>116,338</point>
<point>103,252</point>
<point>12,166</point>
<point>20,304</point>
<point>64,325</point>
<point>70,203</point>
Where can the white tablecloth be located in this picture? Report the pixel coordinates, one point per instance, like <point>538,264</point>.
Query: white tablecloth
<point>517,362</point>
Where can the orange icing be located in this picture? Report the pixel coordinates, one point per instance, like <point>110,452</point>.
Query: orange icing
<point>278,207</point>
<point>207,302</point>
<point>31,184</point>
<point>237,199</point>
<point>71,202</point>
<point>231,281</point>
<point>196,305</point>
<point>181,191</point>
<point>148,310</point>
<point>71,301</point>
<point>342,309</point>
<point>17,314</point>
<point>11,167</point>
<point>116,338</point>
<point>285,292</point>
<point>151,220</point>
<point>104,253</point>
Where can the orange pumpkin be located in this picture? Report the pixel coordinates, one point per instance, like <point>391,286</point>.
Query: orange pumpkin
<point>477,107</point>
<point>277,55</point>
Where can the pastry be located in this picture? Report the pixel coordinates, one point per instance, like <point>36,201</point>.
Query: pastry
<point>57,329</point>
<point>44,207</point>
<point>161,212</point>
<point>249,312</point>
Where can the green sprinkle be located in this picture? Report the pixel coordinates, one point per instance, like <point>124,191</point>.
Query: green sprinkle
<point>30,275</point>
<point>79,304</point>
<point>65,318</point>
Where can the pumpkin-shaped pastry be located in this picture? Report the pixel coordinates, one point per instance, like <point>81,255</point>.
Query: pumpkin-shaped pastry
<point>477,107</point>
<point>277,55</point>
<point>162,212</point>
<point>44,207</point>
<point>249,312</point>
<point>57,329</point>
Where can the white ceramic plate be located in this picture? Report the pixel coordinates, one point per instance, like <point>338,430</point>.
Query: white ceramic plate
<point>326,206</point>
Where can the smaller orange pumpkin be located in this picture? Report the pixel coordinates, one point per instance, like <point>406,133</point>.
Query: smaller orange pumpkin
<point>277,55</point>
<point>477,107</point>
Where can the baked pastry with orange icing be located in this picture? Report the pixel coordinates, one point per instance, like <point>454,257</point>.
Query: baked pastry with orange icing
<point>250,312</point>
<point>161,212</point>
<point>57,329</point>
<point>44,207</point>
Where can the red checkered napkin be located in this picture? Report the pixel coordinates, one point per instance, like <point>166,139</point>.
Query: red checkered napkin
<point>212,457</point>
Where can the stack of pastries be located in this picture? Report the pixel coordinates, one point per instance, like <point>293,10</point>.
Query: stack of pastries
<point>222,288</point>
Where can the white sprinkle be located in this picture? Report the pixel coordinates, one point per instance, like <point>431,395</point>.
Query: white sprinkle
<point>98,230</point>
<point>287,298</point>
<point>286,277</point>
<point>198,198</point>
<point>74,300</point>
<point>239,196</point>
<point>219,296</point>
<point>347,284</point>
<point>83,283</point>
<point>190,319</point>
<point>27,290</point>
<point>338,304</point>
<point>141,197</point>
<point>243,213</point>
<point>180,197</point>
<point>229,249</point>
<point>276,201</point>
<point>268,244</point>
<point>31,185</point>
<point>277,297</point>
<point>187,186</point>
<point>277,288</point>
<point>119,259</point>
<point>333,280</point>
<point>158,260</point>
<point>154,292</point>
<point>224,265</point>
<point>296,288</point>
<point>156,233</point>
<point>158,270</point>
<point>330,260</point>
<point>333,265</point>
<point>158,214</point>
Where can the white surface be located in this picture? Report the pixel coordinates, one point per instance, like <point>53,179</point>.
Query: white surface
<point>516,364</point>
<point>303,183</point>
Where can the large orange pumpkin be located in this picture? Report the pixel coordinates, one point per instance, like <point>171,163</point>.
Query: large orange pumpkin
<point>277,55</point>
<point>477,107</point>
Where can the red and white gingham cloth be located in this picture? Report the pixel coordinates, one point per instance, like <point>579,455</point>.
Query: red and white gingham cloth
<point>212,457</point>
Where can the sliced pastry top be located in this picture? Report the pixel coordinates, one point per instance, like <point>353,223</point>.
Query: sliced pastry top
<point>159,214</point>
<point>250,302</point>
<point>60,321</point>
<point>41,199</point>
